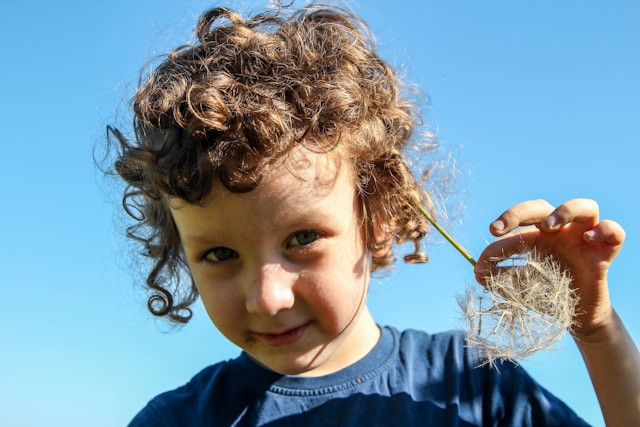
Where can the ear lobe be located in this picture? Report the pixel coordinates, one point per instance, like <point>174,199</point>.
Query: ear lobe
<point>383,240</point>
<point>379,253</point>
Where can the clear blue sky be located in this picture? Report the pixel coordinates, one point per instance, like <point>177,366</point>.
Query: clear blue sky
<point>533,98</point>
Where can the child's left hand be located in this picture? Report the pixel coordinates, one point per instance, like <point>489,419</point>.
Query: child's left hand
<point>575,236</point>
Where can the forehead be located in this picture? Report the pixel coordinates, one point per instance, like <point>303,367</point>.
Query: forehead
<point>308,192</point>
<point>308,169</point>
<point>301,176</point>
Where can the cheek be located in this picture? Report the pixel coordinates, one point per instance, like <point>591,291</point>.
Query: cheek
<point>223,305</point>
<point>337,290</point>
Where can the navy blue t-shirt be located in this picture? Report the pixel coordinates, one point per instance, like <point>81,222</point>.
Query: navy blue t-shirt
<point>410,378</point>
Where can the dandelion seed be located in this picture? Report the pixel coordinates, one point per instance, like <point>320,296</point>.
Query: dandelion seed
<point>534,306</point>
<point>530,305</point>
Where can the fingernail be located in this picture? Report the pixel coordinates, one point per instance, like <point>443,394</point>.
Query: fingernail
<point>590,235</point>
<point>497,225</point>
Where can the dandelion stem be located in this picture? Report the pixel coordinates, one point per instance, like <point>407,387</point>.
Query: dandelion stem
<point>446,235</point>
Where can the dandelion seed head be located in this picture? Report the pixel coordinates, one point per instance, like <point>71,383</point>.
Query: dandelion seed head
<point>525,307</point>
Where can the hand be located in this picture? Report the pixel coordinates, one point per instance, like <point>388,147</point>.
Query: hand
<point>575,236</point>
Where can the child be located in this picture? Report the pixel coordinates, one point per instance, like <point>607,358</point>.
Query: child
<point>268,163</point>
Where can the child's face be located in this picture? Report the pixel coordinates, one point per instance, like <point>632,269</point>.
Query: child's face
<point>283,270</point>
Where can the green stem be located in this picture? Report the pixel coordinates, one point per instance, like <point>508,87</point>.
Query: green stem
<point>446,235</point>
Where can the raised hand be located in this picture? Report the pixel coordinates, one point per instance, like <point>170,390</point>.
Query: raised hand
<point>575,236</point>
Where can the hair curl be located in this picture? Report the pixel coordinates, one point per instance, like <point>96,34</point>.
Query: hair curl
<point>242,96</point>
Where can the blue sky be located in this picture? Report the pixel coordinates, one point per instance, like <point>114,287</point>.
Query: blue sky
<point>533,99</point>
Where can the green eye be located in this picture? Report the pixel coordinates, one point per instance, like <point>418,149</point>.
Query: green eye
<point>221,254</point>
<point>303,238</point>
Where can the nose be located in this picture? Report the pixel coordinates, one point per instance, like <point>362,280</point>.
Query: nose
<point>271,290</point>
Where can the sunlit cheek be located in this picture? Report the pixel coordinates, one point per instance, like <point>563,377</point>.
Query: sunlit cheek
<point>356,246</point>
<point>339,293</point>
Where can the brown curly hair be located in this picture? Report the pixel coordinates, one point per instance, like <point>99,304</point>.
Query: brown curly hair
<point>242,96</point>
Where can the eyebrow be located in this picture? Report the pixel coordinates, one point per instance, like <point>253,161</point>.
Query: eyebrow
<point>196,243</point>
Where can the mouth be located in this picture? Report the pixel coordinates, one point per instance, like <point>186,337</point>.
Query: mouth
<point>286,337</point>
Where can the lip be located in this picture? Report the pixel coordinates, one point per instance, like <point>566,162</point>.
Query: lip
<point>286,337</point>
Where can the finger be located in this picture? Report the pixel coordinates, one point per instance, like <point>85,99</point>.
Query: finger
<point>517,242</point>
<point>513,243</point>
<point>607,231</point>
<point>525,213</point>
<point>576,210</point>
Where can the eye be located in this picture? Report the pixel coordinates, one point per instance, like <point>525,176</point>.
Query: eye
<point>303,238</point>
<point>220,254</point>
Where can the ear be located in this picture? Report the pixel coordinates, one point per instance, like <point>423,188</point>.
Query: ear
<point>375,223</point>
<point>383,236</point>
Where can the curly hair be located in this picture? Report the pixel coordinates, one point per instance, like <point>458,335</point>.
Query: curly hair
<point>242,96</point>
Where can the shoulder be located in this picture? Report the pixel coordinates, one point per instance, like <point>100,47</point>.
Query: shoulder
<point>445,369</point>
<point>437,350</point>
<point>415,337</point>
<point>191,404</point>
<point>437,360</point>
